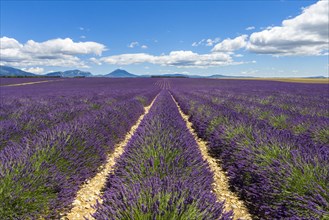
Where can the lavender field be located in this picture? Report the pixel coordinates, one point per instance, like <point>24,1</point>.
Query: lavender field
<point>270,139</point>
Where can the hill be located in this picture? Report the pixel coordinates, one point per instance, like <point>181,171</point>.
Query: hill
<point>10,71</point>
<point>119,73</point>
<point>70,73</point>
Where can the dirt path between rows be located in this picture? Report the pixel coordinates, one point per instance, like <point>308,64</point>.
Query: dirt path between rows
<point>220,185</point>
<point>90,192</point>
<point>30,83</point>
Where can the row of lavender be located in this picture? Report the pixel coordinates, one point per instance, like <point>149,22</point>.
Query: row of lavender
<point>271,137</point>
<point>55,136</point>
<point>12,81</point>
<point>161,174</point>
<point>22,115</point>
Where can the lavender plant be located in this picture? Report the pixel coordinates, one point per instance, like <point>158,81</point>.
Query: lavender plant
<point>42,167</point>
<point>161,174</point>
<point>279,172</point>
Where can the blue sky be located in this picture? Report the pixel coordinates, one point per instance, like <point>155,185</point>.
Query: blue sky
<point>249,38</point>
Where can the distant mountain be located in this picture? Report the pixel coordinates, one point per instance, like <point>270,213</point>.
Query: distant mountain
<point>232,77</point>
<point>119,73</point>
<point>316,77</point>
<point>10,71</point>
<point>170,75</point>
<point>70,73</point>
<point>175,75</point>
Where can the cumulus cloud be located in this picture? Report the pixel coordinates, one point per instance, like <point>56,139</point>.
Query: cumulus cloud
<point>230,45</point>
<point>206,42</point>
<point>174,58</point>
<point>63,46</point>
<point>95,61</point>
<point>144,47</point>
<point>305,34</point>
<point>55,52</point>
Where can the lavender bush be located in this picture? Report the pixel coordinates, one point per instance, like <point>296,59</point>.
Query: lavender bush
<point>58,139</point>
<point>161,174</point>
<point>271,137</point>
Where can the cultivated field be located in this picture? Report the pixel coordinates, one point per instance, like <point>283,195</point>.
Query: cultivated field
<point>295,80</point>
<point>99,148</point>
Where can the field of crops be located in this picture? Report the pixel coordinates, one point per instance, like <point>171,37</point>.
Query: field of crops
<point>270,138</point>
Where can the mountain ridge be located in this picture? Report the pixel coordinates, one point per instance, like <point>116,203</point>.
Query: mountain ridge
<point>7,71</point>
<point>70,73</point>
<point>10,71</point>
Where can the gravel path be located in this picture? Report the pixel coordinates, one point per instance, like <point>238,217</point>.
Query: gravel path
<point>30,83</point>
<point>220,185</point>
<point>90,192</point>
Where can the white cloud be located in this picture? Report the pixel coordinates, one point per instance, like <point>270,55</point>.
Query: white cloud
<point>305,34</point>
<point>211,42</point>
<point>83,37</point>
<point>206,42</point>
<point>95,61</point>
<point>36,70</point>
<point>55,52</point>
<point>195,44</point>
<point>250,28</point>
<point>63,46</point>
<point>174,58</point>
<point>133,44</point>
<point>137,44</point>
<point>230,45</point>
<point>9,43</point>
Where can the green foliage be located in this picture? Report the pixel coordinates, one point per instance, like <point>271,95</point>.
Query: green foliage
<point>279,121</point>
<point>263,115</point>
<point>142,100</point>
<point>267,100</point>
<point>234,131</point>
<point>15,200</point>
<point>215,122</point>
<point>154,148</point>
<point>300,128</point>
<point>95,106</point>
<point>166,209</point>
<point>271,152</point>
<point>321,135</point>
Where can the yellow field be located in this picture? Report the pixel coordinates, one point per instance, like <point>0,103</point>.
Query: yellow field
<point>297,80</point>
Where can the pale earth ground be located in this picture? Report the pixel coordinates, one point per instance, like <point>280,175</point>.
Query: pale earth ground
<point>30,83</point>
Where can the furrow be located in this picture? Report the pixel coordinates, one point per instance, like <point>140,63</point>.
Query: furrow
<point>31,83</point>
<point>90,192</point>
<point>220,185</point>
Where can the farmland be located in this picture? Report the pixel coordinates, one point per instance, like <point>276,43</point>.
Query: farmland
<point>269,139</point>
